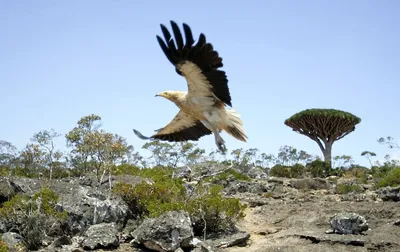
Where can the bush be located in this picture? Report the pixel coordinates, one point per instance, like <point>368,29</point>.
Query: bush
<point>295,171</point>
<point>151,199</point>
<point>32,224</point>
<point>4,172</point>
<point>391,179</point>
<point>125,169</point>
<point>319,169</point>
<point>360,173</point>
<point>280,171</point>
<point>380,171</point>
<point>347,188</point>
<point>210,211</point>
<point>205,204</point>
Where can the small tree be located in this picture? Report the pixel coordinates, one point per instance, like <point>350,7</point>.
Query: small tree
<point>45,139</point>
<point>368,155</point>
<point>8,154</point>
<point>32,157</point>
<point>324,126</point>
<point>81,150</point>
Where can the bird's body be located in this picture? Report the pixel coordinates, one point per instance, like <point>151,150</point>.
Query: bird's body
<point>203,108</point>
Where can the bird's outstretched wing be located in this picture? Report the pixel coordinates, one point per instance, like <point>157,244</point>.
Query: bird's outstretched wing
<point>198,63</point>
<point>182,128</point>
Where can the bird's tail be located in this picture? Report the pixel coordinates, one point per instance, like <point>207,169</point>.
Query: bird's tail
<point>235,125</point>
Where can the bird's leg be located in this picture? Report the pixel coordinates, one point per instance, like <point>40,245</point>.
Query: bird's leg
<point>220,142</point>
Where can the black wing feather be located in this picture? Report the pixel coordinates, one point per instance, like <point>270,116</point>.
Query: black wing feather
<point>188,35</point>
<point>165,49</point>
<point>178,35</point>
<point>202,54</point>
<point>191,133</point>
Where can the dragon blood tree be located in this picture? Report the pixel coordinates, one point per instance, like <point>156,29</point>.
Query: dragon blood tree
<point>324,126</point>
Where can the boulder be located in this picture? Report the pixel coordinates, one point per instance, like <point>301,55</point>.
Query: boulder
<point>257,173</point>
<point>104,235</point>
<point>12,239</point>
<point>348,223</point>
<point>168,232</point>
<point>389,193</point>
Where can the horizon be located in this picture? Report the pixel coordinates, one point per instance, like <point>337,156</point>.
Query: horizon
<point>65,60</point>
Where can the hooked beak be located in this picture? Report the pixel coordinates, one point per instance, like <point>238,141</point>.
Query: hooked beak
<point>159,94</point>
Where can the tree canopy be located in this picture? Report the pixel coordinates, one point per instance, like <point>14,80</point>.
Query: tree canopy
<point>324,126</point>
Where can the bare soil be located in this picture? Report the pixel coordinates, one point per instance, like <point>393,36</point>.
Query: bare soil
<point>295,226</point>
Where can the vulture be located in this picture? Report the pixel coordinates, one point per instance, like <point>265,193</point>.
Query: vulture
<point>203,108</point>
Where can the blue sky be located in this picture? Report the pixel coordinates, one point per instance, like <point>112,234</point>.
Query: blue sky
<point>61,60</point>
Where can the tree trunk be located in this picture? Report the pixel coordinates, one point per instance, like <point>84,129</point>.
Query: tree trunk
<point>328,154</point>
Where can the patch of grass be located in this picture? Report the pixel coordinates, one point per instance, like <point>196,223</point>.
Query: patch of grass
<point>392,178</point>
<point>347,188</point>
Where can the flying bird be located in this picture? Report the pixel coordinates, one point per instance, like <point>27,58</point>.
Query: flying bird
<point>203,108</point>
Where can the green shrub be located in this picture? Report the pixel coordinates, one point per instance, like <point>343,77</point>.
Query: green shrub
<point>280,171</point>
<point>22,212</point>
<point>210,211</point>
<point>319,169</point>
<point>17,203</point>
<point>295,171</point>
<point>380,171</point>
<point>58,173</point>
<point>205,204</point>
<point>125,169</point>
<point>359,173</point>
<point>392,178</point>
<point>152,198</point>
<point>4,172</point>
<point>48,203</point>
<point>21,203</point>
<point>347,188</point>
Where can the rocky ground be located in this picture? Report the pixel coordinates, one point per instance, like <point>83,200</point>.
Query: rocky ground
<point>283,215</point>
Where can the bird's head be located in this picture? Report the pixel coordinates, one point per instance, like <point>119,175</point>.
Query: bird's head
<point>170,95</point>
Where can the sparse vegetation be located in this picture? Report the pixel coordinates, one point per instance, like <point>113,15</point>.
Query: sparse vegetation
<point>33,216</point>
<point>158,187</point>
<point>205,203</point>
<point>347,188</point>
<point>392,178</point>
